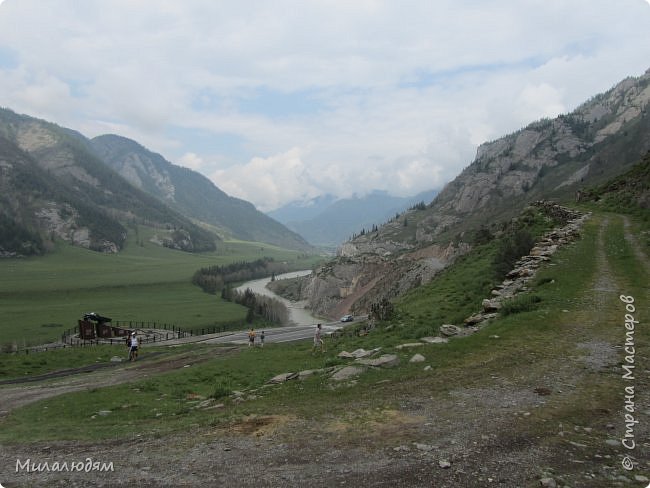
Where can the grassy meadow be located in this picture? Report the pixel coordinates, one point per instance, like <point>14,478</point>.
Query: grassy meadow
<point>40,297</point>
<point>519,346</point>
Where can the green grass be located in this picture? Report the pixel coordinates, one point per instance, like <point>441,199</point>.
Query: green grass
<point>622,254</point>
<point>518,347</point>
<point>43,296</point>
<point>37,363</point>
<point>450,298</point>
<point>17,365</point>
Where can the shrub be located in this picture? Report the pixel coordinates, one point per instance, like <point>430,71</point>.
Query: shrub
<point>222,389</point>
<point>512,248</point>
<point>521,303</point>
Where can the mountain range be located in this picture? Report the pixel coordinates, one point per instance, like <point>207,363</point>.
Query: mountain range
<point>329,221</point>
<point>57,184</point>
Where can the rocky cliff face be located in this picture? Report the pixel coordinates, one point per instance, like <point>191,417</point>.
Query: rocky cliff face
<point>548,159</point>
<point>353,282</point>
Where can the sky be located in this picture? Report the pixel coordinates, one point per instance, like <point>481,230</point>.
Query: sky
<point>281,101</point>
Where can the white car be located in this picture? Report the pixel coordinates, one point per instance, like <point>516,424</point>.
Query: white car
<point>347,318</point>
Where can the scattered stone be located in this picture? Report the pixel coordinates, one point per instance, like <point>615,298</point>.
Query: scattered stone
<point>116,359</point>
<point>577,444</point>
<point>640,478</point>
<point>417,358</point>
<point>526,267</point>
<point>408,345</point>
<point>401,449</point>
<point>449,330</point>
<point>359,353</point>
<point>383,361</point>
<point>423,447</point>
<point>104,413</point>
<point>613,442</point>
<point>435,340</point>
<point>428,368</point>
<point>474,319</point>
<point>491,305</point>
<point>548,483</point>
<point>308,372</point>
<point>215,406</point>
<point>444,464</point>
<point>347,373</point>
<point>281,378</point>
<point>494,336</point>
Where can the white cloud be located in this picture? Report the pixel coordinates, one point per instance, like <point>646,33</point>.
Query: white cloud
<point>283,100</point>
<point>268,182</point>
<point>191,160</point>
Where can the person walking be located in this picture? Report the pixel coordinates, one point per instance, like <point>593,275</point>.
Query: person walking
<point>262,339</point>
<point>133,347</point>
<point>318,340</point>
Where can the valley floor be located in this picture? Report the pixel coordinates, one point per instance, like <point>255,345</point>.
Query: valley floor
<point>548,416</point>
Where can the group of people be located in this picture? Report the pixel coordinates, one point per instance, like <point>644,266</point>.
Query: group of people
<point>132,342</point>
<point>318,339</point>
<point>251,338</point>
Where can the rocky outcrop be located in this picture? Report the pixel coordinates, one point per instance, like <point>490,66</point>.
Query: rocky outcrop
<point>352,282</point>
<point>62,221</point>
<point>546,158</point>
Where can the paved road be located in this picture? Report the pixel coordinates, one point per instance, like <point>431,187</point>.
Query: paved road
<point>275,335</point>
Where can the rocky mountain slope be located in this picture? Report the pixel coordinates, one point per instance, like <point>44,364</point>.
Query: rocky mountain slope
<point>53,186</point>
<point>549,159</point>
<point>57,184</point>
<point>192,194</point>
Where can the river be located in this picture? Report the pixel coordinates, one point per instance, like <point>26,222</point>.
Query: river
<point>298,314</point>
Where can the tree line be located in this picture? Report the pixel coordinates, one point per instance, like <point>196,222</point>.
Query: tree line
<point>267,308</point>
<point>212,279</point>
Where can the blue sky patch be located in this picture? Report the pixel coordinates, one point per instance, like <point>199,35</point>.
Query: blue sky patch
<point>9,58</point>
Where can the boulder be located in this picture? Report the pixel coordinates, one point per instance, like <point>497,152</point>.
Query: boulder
<point>417,358</point>
<point>281,378</point>
<point>435,340</point>
<point>449,330</point>
<point>383,361</point>
<point>491,305</point>
<point>347,373</point>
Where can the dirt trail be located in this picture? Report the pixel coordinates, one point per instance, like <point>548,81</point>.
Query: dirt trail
<point>632,240</point>
<point>84,378</point>
<point>493,433</point>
